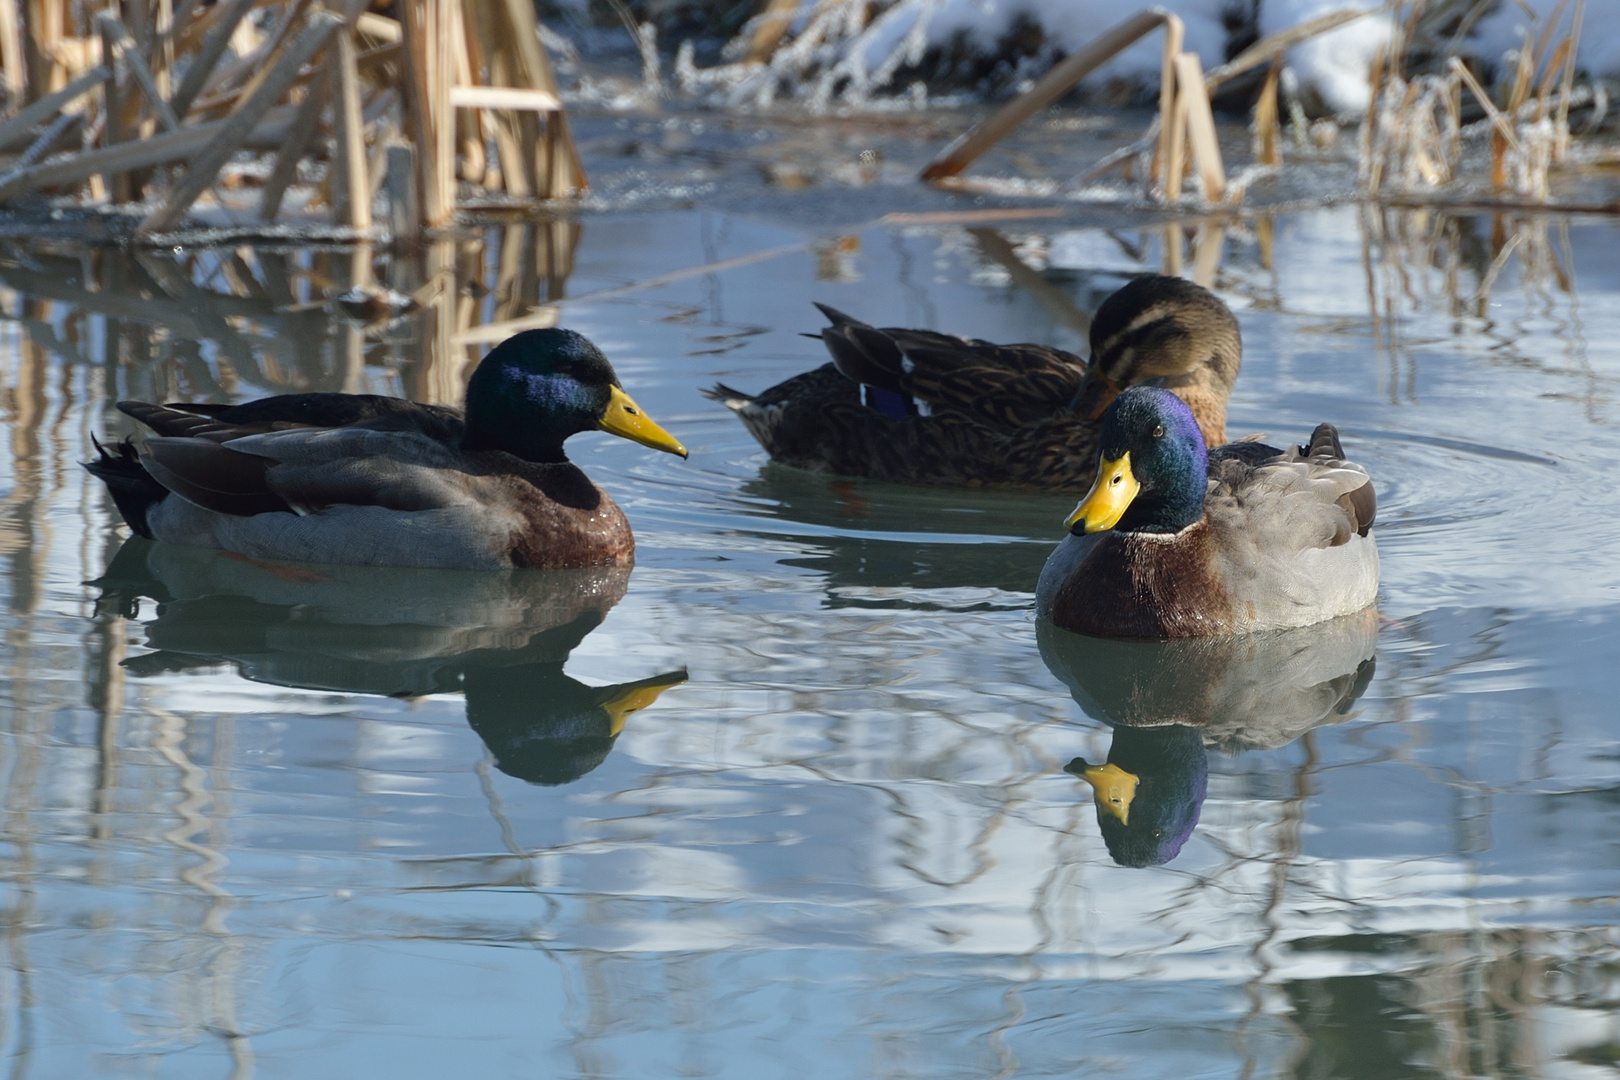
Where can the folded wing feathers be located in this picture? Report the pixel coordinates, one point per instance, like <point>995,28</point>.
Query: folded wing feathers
<point>304,470</point>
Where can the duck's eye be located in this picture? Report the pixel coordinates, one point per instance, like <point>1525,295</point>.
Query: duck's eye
<point>1158,431</point>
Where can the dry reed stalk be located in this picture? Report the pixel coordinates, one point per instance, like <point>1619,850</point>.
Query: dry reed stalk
<point>770,26</point>
<point>11,53</point>
<point>16,127</point>
<point>1175,32</point>
<point>208,56</point>
<point>158,150</point>
<point>202,170</point>
<point>303,129</point>
<point>1206,150</point>
<point>1267,129</point>
<point>1054,84</point>
<point>1273,46</point>
<point>351,205</point>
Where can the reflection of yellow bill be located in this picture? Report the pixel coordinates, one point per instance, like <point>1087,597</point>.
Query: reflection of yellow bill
<point>633,697</point>
<point>1114,789</point>
<point>625,419</point>
<point>1105,503</point>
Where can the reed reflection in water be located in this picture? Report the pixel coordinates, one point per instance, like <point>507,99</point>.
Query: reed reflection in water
<point>256,822</point>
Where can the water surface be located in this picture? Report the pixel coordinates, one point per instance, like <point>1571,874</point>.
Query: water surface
<point>790,799</point>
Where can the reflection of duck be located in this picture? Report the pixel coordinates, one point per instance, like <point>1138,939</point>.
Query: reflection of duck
<point>914,406</point>
<point>362,479</point>
<point>891,546</point>
<point>1150,792</point>
<point>1166,699</point>
<point>499,638</point>
<point>1176,541</point>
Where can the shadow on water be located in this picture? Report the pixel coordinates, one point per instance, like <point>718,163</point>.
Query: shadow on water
<point>501,639</point>
<point>881,544</point>
<point>1166,700</point>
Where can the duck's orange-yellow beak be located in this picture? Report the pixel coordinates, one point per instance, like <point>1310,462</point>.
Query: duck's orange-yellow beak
<point>1113,788</point>
<point>1110,494</point>
<point>626,419</point>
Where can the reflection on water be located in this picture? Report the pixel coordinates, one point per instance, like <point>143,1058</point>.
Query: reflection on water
<point>1165,699</point>
<point>279,821</point>
<point>501,639</point>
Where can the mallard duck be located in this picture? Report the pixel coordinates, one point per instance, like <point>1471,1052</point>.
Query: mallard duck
<point>363,479</point>
<point>914,406</point>
<point>1176,541</point>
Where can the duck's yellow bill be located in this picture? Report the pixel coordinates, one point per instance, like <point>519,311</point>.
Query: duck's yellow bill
<point>1113,788</point>
<point>633,697</point>
<point>625,419</point>
<point>1105,503</point>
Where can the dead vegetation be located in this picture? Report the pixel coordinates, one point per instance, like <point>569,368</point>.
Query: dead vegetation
<point>151,104</point>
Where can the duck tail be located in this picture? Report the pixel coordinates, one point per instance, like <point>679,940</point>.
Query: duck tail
<point>1324,442</point>
<point>132,487</point>
<point>735,400</point>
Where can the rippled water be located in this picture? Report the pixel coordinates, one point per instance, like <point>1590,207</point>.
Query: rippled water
<point>791,800</point>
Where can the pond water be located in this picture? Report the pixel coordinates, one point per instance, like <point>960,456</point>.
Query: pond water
<point>790,799</point>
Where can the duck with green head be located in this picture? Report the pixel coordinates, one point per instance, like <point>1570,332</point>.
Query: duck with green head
<point>1174,540</point>
<point>365,479</point>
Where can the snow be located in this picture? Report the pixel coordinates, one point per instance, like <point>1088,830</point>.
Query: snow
<point>1503,31</point>
<point>1334,64</point>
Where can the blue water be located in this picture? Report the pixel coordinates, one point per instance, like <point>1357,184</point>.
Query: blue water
<point>261,822</point>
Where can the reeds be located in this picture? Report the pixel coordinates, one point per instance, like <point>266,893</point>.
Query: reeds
<point>148,104</point>
<point>1413,139</point>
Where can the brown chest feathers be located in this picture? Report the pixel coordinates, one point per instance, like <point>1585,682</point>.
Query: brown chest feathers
<point>1145,586</point>
<point>567,521</point>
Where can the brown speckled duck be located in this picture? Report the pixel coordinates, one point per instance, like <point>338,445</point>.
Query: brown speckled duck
<point>914,406</point>
<point>1176,541</point>
<point>363,479</point>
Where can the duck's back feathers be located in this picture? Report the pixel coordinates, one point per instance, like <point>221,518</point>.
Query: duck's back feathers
<point>916,406</point>
<point>221,422</point>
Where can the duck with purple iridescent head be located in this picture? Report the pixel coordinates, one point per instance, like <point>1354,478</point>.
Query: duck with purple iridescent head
<point>1175,540</point>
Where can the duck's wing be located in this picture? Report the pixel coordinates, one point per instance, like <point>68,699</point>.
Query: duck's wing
<point>305,470</point>
<point>1291,542</point>
<point>1003,385</point>
<point>221,422</point>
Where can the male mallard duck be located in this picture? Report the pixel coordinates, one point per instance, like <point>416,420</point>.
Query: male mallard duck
<point>358,478</point>
<point>913,406</point>
<point>1175,541</point>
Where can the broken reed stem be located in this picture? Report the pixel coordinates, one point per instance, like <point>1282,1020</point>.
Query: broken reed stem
<point>1206,148</point>
<point>1054,84</point>
<point>445,58</point>
<point>1499,121</point>
<point>200,174</point>
<point>1267,131</point>
<point>1175,32</point>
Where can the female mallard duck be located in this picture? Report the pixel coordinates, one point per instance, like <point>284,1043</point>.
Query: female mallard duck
<point>1175,541</point>
<point>357,478</point>
<point>913,406</point>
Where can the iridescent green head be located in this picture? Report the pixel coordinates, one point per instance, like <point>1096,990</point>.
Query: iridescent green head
<point>537,388</point>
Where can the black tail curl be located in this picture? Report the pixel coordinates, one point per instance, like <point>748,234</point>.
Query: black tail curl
<point>132,487</point>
